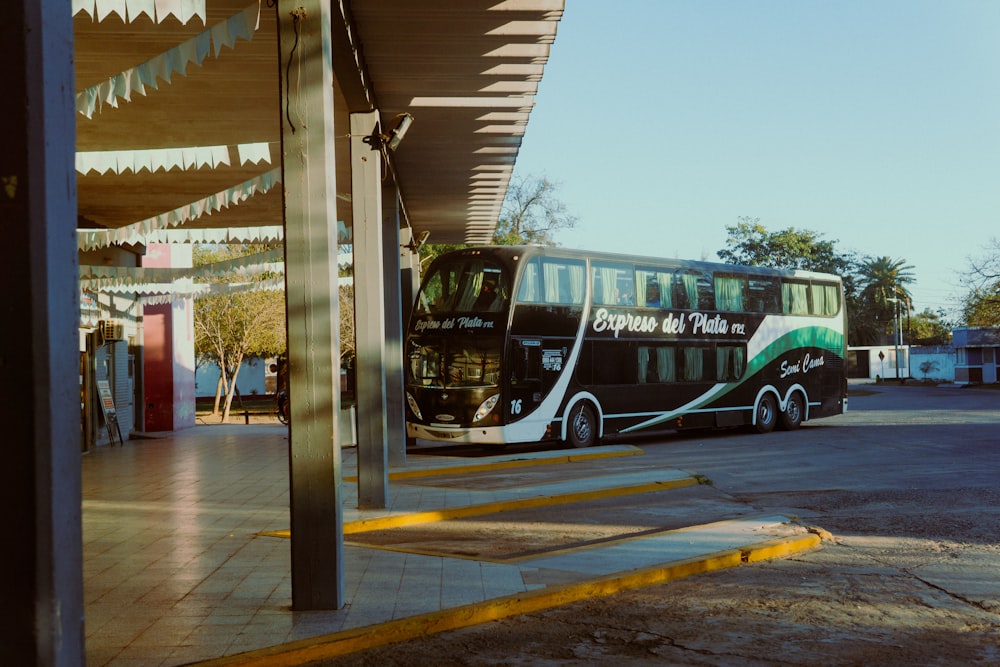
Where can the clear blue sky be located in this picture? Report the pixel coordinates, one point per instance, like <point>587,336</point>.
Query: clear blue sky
<point>875,123</point>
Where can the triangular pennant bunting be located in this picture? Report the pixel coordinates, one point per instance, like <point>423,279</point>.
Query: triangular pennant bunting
<point>130,234</point>
<point>173,60</point>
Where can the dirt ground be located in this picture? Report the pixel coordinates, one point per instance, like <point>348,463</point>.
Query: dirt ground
<point>913,586</point>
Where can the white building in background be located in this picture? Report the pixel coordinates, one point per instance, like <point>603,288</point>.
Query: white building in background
<point>972,358</point>
<point>878,362</point>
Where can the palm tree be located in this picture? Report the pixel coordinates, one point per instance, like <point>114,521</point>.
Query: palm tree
<point>883,288</point>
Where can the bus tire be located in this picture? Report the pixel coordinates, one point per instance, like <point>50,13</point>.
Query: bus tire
<point>766,414</point>
<point>791,416</point>
<point>582,428</point>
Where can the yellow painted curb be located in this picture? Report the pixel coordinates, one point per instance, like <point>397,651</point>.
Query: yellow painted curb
<point>430,516</point>
<point>781,547</point>
<point>359,639</point>
<point>502,465</point>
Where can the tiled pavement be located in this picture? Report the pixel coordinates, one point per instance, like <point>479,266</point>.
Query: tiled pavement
<point>176,569</point>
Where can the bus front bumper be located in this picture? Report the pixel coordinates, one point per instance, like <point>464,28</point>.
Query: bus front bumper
<point>492,435</point>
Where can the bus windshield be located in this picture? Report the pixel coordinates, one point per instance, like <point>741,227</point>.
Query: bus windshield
<point>446,362</point>
<point>465,284</point>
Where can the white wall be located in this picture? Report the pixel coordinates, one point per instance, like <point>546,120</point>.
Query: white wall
<point>885,368</point>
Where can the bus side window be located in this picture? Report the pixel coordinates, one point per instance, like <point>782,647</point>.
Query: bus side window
<point>655,289</point>
<point>530,290</point>
<point>564,281</point>
<point>794,297</point>
<point>614,285</point>
<point>657,364</point>
<point>730,362</point>
<point>764,295</point>
<point>695,364</point>
<point>693,290</point>
<point>602,296</point>
<point>825,299</point>
<point>730,292</point>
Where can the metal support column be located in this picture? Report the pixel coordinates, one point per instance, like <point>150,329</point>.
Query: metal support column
<point>409,262</point>
<point>311,284</point>
<point>42,601</point>
<point>369,310</point>
<point>395,400</point>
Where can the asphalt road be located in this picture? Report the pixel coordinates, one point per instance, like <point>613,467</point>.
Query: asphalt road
<point>908,485</point>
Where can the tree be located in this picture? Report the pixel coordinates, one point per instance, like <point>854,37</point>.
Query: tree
<point>348,345</point>
<point>230,328</point>
<point>883,294</point>
<point>750,243</point>
<point>531,213</point>
<point>345,295</point>
<point>234,326</point>
<point>981,305</point>
<point>928,328</point>
<point>430,251</point>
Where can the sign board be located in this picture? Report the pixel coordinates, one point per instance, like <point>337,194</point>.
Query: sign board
<point>107,400</point>
<point>108,406</point>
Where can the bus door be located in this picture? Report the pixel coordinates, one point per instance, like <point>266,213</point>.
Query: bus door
<point>526,389</point>
<point>535,368</point>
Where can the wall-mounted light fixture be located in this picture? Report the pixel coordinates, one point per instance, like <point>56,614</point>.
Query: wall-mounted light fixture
<point>417,241</point>
<point>398,132</point>
<point>377,140</point>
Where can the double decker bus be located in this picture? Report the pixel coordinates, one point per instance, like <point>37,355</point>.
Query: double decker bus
<point>513,344</point>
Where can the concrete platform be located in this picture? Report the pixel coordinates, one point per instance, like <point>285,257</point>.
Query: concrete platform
<point>184,559</point>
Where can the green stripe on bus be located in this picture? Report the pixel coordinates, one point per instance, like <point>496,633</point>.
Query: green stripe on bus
<point>822,337</point>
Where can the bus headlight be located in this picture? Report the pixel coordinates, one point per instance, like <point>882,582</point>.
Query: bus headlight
<point>412,402</point>
<point>486,407</point>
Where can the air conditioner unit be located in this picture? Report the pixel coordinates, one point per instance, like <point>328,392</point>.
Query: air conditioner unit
<point>111,330</point>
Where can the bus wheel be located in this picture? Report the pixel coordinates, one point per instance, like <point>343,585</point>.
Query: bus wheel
<point>582,430</point>
<point>792,416</point>
<point>767,414</point>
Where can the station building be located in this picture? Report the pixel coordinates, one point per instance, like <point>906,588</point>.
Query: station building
<point>137,128</point>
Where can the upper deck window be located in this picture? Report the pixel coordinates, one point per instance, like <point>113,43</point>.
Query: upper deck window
<point>466,284</point>
<point>825,299</point>
<point>693,290</point>
<point>552,281</point>
<point>810,298</point>
<point>614,285</point>
<point>655,288</point>
<point>764,294</point>
<point>730,292</point>
<point>794,297</point>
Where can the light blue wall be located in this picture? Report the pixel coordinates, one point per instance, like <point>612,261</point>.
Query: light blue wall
<point>250,380</point>
<point>943,356</point>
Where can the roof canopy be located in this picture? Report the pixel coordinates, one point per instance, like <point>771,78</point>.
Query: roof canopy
<point>179,123</point>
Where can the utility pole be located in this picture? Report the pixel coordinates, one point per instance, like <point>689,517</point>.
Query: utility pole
<point>897,334</point>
